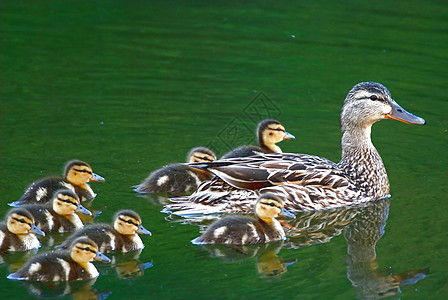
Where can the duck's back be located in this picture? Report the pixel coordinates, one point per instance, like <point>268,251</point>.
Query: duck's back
<point>52,267</point>
<point>173,179</point>
<point>238,230</point>
<point>104,235</point>
<point>48,220</point>
<point>11,242</point>
<point>243,151</point>
<point>41,191</point>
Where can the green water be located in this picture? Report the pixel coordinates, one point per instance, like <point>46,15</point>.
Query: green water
<point>129,86</point>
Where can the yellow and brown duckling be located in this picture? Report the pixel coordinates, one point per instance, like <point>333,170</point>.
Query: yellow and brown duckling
<point>60,214</point>
<point>121,237</point>
<point>242,230</point>
<point>76,175</point>
<point>178,178</point>
<point>63,266</point>
<point>16,234</point>
<point>269,133</point>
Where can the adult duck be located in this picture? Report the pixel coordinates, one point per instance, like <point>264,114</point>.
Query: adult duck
<point>306,182</point>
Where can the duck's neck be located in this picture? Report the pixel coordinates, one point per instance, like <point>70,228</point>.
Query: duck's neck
<point>362,162</point>
<point>269,147</point>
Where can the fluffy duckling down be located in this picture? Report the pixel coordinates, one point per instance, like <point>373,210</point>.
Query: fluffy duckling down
<point>76,175</point>
<point>60,214</point>
<point>269,133</point>
<point>17,233</point>
<point>242,230</point>
<point>178,178</point>
<point>121,237</point>
<point>74,264</point>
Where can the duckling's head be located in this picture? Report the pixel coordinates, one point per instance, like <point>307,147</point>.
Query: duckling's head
<point>270,132</point>
<point>84,250</point>
<point>201,154</point>
<point>128,222</point>
<point>20,221</point>
<point>369,102</point>
<point>270,206</point>
<point>65,202</point>
<point>79,172</point>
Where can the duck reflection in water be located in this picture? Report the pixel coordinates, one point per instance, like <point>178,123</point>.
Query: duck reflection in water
<point>363,271</point>
<point>127,265</point>
<point>77,289</point>
<point>269,264</point>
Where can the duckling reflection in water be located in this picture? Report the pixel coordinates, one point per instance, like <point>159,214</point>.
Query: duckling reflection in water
<point>269,133</point>
<point>242,230</point>
<point>60,214</point>
<point>76,175</point>
<point>17,233</point>
<point>122,237</point>
<point>178,178</point>
<point>66,266</point>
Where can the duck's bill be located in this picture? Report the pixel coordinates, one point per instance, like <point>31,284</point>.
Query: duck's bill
<point>101,257</point>
<point>83,210</point>
<point>286,213</point>
<point>96,177</point>
<point>400,114</point>
<point>36,230</point>
<point>143,230</point>
<point>288,136</point>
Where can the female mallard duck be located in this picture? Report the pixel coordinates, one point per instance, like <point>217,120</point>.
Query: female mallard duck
<point>242,230</point>
<point>121,237</point>
<point>76,175</point>
<point>307,182</point>
<point>269,133</point>
<point>178,178</point>
<point>17,233</point>
<point>59,215</point>
<point>63,266</point>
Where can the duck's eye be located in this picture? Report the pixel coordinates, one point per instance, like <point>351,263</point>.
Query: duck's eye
<point>272,204</point>
<point>373,97</point>
<point>20,220</point>
<point>128,221</point>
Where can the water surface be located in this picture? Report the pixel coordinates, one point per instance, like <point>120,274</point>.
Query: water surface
<point>130,86</point>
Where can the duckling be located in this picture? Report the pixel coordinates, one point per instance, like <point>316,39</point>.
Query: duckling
<point>63,266</point>
<point>59,215</point>
<point>17,233</point>
<point>178,178</point>
<point>76,175</point>
<point>269,133</point>
<point>121,237</point>
<point>242,230</point>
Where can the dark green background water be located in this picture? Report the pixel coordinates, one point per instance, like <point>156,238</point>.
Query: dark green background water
<point>129,86</point>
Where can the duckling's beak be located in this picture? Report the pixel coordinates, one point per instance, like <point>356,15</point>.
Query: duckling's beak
<point>101,257</point>
<point>143,230</point>
<point>96,177</point>
<point>286,213</point>
<point>288,136</point>
<point>83,210</point>
<point>398,113</point>
<point>36,230</point>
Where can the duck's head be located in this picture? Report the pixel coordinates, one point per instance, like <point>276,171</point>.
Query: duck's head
<point>369,102</point>
<point>84,250</point>
<point>20,221</point>
<point>65,202</point>
<point>79,172</point>
<point>128,222</point>
<point>270,132</point>
<point>201,154</point>
<point>270,206</point>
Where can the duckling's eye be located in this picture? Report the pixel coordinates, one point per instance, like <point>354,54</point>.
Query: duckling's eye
<point>20,220</point>
<point>84,171</point>
<point>272,204</point>
<point>87,249</point>
<point>128,221</point>
<point>373,97</point>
